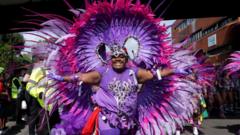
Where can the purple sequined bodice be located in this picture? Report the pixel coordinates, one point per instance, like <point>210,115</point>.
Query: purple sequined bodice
<point>117,96</point>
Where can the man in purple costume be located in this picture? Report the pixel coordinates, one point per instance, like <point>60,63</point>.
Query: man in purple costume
<point>117,92</point>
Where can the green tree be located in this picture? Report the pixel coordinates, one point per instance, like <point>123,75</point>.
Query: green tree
<point>10,48</point>
<point>6,55</point>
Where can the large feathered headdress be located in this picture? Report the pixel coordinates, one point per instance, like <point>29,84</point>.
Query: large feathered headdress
<point>84,44</point>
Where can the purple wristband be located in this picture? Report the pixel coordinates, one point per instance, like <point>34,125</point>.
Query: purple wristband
<point>156,72</point>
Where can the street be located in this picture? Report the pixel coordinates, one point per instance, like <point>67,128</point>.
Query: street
<point>211,126</point>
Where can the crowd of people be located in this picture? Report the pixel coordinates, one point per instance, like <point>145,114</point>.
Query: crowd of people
<point>19,104</point>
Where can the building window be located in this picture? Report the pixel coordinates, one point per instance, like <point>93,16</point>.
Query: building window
<point>196,35</point>
<point>212,40</point>
<point>218,25</point>
<point>183,25</point>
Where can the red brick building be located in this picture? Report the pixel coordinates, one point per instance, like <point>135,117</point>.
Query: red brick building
<point>217,36</point>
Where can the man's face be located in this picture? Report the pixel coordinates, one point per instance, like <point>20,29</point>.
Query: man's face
<point>119,63</point>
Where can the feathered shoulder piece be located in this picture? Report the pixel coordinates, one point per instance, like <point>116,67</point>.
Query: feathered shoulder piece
<point>234,65</point>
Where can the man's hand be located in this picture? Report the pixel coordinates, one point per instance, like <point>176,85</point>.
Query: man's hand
<point>55,77</point>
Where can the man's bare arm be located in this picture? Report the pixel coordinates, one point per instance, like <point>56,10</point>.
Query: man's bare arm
<point>91,77</point>
<point>145,75</point>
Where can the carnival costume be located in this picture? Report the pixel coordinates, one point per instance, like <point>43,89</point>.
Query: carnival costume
<point>233,66</point>
<point>86,44</point>
<point>233,69</point>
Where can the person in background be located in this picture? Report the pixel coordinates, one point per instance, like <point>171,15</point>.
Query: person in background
<point>35,92</point>
<point>34,99</point>
<point>21,99</point>
<point>17,96</point>
<point>4,100</point>
<point>227,94</point>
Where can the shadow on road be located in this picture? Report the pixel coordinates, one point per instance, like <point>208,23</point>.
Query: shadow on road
<point>190,130</point>
<point>231,128</point>
<point>15,129</point>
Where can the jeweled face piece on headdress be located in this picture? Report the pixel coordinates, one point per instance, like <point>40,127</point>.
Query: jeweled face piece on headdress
<point>116,51</point>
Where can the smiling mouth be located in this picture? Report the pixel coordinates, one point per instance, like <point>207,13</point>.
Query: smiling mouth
<point>118,63</point>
